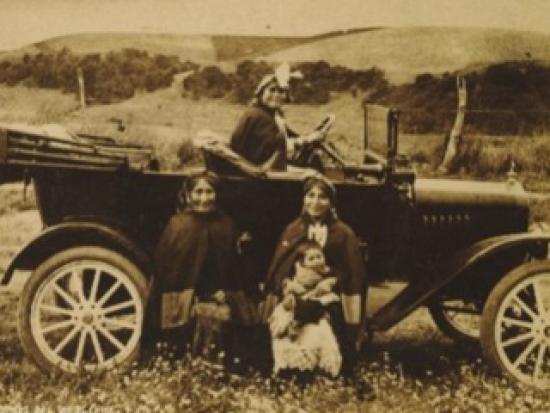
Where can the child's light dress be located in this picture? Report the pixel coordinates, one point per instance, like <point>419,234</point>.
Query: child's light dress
<point>315,346</point>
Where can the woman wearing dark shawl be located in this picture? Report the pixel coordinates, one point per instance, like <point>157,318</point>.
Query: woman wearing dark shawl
<point>262,136</point>
<point>319,222</point>
<point>196,261</point>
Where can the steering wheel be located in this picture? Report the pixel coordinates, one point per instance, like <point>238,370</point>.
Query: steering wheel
<point>307,156</point>
<point>326,123</point>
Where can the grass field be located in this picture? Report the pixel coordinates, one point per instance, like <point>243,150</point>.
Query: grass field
<point>411,368</point>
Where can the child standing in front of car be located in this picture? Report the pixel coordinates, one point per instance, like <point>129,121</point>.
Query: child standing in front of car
<point>306,345</point>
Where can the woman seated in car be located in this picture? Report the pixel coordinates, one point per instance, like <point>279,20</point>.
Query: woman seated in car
<point>262,136</point>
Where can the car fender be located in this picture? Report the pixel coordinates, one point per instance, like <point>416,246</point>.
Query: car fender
<point>420,292</point>
<point>79,233</point>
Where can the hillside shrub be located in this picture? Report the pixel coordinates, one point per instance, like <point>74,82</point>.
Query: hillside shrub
<point>319,80</point>
<point>246,78</point>
<point>109,78</point>
<point>509,98</point>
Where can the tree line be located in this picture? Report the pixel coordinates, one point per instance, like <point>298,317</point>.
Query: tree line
<point>509,98</point>
<point>112,77</point>
<point>319,80</point>
<point>503,98</point>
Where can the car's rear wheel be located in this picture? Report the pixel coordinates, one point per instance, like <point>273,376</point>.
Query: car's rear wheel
<point>82,310</point>
<point>458,319</point>
<point>515,328</point>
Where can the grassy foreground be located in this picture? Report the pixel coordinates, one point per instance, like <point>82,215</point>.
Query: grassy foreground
<point>411,368</point>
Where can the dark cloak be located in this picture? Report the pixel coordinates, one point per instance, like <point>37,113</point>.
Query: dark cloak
<point>257,137</point>
<point>196,251</point>
<point>343,255</point>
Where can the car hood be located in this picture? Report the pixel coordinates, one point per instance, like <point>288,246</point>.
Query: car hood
<point>465,192</point>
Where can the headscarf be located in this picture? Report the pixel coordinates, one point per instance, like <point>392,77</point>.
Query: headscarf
<point>324,184</point>
<point>281,77</point>
<point>195,177</point>
<point>318,229</point>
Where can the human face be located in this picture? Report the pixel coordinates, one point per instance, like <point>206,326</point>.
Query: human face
<point>316,202</point>
<point>314,258</point>
<point>202,197</point>
<point>273,96</point>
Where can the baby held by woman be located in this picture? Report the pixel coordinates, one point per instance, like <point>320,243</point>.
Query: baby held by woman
<point>306,345</point>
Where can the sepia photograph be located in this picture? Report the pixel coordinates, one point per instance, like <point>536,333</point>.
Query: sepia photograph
<point>274,206</point>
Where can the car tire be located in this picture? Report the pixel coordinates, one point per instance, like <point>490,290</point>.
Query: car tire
<point>82,309</point>
<point>515,326</point>
<point>453,327</point>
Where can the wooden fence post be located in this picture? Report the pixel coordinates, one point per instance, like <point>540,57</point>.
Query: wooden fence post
<point>455,136</point>
<point>81,88</point>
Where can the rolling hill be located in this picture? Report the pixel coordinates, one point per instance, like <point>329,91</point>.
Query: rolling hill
<point>203,49</point>
<point>405,52</point>
<point>402,52</point>
<point>199,48</point>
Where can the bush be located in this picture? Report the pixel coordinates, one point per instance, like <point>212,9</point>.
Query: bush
<point>320,79</point>
<point>246,78</point>
<point>510,98</point>
<point>113,77</point>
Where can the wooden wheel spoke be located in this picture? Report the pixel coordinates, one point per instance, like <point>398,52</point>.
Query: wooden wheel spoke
<point>540,359</point>
<point>95,286</point>
<point>61,345</point>
<point>525,353</point>
<point>97,346</point>
<point>56,310</point>
<point>65,295</point>
<point>538,299</point>
<point>518,323</point>
<point>121,323</point>
<point>525,307</point>
<point>57,326</point>
<point>120,306</point>
<point>80,285</point>
<point>112,339</point>
<point>109,293</point>
<point>80,348</point>
<point>517,339</point>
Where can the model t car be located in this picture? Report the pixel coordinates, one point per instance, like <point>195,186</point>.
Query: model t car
<point>462,247</point>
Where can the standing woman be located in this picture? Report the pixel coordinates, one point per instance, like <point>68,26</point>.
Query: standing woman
<point>318,221</point>
<point>262,136</point>
<point>196,261</point>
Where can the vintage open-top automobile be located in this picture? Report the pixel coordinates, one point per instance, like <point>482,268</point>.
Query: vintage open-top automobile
<point>462,247</point>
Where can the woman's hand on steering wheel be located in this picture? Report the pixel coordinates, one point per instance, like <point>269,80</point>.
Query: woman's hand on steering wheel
<point>320,132</point>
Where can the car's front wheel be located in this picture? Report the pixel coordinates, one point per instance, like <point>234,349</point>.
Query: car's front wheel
<point>515,327</point>
<point>82,310</point>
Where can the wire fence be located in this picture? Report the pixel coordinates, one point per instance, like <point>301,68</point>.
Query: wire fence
<point>522,122</point>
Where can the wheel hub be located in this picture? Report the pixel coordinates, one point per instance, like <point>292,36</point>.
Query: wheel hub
<point>88,318</point>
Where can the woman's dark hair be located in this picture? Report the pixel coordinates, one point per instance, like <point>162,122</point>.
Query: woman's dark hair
<point>326,186</point>
<point>192,180</point>
<point>304,247</point>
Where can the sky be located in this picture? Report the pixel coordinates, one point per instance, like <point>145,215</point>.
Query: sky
<point>25,21</point>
